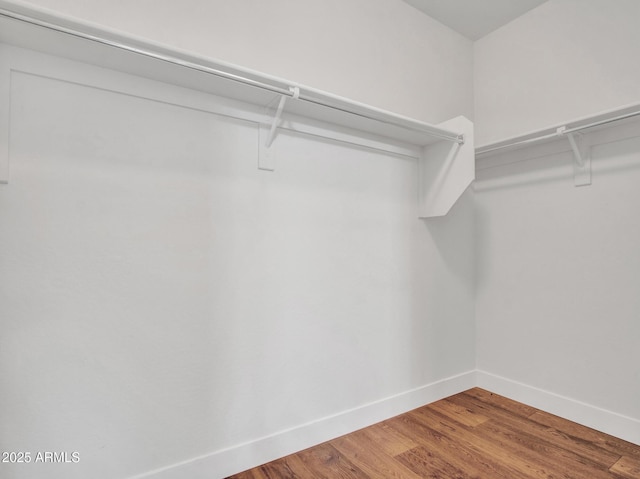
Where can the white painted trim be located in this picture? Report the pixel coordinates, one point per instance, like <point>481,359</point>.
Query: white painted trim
<point>235,459</point>
<point>609,422</point>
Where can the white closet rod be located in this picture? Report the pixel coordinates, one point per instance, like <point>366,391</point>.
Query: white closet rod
<point>378,116</point>
<point>560,132</point>
<point>158,56</point>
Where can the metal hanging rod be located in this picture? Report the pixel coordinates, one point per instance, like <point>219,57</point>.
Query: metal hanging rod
<point>558,133</point>
<point>143,51</point>
<point>153,51</point>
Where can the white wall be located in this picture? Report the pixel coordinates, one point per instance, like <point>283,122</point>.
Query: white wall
<point>557,286</point>
<point>561,61</point>
<point>380,52</point>
<point>163,299</point>
<point>558,266</point>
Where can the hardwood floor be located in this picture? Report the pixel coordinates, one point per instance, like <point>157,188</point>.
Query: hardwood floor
<point>472,435</point>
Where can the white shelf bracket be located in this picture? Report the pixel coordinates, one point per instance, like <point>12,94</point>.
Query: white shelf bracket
<point>445,170</point>
<point>266,156</point>
<point>582,157</point>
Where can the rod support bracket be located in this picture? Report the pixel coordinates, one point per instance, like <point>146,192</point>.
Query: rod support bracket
<point>582,159</point>
<point>266,155</point>
<point>582,156</point>
<point>295,94</point>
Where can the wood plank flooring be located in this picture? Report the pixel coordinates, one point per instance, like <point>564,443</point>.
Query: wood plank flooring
<point>472,435</point>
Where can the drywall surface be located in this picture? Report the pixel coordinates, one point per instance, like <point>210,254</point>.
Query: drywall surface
<point>380,52</point>
<point>558,275</point>
<point>564,60</point>
<point>164,299</point>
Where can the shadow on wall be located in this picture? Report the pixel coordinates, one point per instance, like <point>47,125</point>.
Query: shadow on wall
<point>445,311</point>
<point>452,233</point>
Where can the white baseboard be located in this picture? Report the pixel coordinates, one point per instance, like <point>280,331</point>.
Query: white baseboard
<point>238,458</point>
<point>235,459</point>
<point>602,420</point>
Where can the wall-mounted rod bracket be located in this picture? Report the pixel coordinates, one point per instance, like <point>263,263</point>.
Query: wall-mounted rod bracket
<point>582,156</point>
<point>266,156</point>
<point>276,119</point>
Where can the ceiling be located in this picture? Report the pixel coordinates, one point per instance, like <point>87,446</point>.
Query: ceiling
<point>474,18</point>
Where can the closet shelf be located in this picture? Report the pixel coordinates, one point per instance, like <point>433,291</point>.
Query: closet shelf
<point>445,151</point>
<point>590,123</point>
<point>572,134</point>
